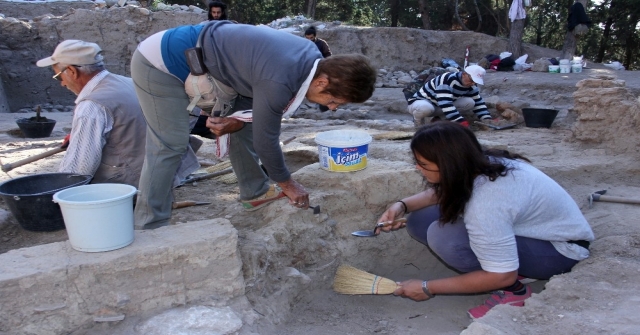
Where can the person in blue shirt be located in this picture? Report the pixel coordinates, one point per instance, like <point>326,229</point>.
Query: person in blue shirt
<point>271,72</point>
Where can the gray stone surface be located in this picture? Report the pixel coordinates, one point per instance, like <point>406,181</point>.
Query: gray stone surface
<point>117,30</point>
<point>197,320</point>
<point>31,9</point>
<point>53,289</point>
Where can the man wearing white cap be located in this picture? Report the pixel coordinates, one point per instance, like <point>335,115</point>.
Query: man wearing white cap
<point>108,131</point>
<point>447,94</point>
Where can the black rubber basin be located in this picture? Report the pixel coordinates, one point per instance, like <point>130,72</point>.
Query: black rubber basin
<point>30,199</point>
<point>36,129</point>
<point>539,117</point>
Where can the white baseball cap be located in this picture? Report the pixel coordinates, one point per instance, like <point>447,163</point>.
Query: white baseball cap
<point>73,52</point>
<point>477,73</point>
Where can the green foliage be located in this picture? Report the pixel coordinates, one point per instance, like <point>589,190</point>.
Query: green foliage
<point>154,4</point>
<point>546,23</point>
<point>547,27</point>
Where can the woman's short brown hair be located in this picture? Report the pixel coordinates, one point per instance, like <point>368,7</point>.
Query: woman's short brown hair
<point>351,76</point>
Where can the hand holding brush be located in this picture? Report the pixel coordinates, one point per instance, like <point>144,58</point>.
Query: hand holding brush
<point>350,280</point>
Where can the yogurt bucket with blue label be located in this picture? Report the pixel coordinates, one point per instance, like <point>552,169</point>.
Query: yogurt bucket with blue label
<point>343,150</point>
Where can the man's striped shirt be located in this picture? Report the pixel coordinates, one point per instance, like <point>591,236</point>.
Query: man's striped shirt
<point>444,89</point>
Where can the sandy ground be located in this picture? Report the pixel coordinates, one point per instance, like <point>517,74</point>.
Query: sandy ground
<point>597,297</point>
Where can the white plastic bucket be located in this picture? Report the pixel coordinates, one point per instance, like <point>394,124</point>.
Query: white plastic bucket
<point>98,217</point>
<point>565,68</point>
<point>564,62</point>
<point>576,68</point>
<point>554,68</point>
<point>343,150</point>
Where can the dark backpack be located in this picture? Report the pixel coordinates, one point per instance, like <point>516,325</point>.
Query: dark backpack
<point>506,64</point>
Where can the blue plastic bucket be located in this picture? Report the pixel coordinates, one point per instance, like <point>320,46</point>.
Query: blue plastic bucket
<point>99,217</point>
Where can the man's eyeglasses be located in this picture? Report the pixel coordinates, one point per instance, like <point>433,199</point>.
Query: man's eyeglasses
<point>57,75</point>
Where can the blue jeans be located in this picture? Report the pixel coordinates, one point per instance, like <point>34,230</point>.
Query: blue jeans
<point>450,242</point>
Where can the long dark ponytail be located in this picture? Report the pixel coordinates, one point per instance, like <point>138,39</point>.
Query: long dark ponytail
<point>460,159</point>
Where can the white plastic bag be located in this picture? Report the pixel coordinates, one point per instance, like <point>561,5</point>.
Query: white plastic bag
<point>504,54</point>
<point>208,93</point>
<point>522,59</point>
<point>615,66</point>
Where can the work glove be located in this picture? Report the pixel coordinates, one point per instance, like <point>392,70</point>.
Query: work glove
<point>65,142</point>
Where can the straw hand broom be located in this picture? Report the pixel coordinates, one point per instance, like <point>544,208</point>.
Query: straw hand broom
<point>350,280</point>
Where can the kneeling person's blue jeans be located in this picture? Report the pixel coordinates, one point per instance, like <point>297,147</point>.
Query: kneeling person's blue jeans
<point>538,259</point>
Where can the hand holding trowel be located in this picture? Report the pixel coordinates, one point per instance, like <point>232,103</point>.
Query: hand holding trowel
<point>373,233</point>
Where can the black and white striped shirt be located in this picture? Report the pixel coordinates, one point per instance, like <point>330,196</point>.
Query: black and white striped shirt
<point>444,89</point>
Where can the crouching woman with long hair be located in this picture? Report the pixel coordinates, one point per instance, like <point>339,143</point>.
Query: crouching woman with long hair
<point>490,215</point>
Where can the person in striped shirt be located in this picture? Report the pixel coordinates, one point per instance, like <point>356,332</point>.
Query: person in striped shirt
<point>448,94</point>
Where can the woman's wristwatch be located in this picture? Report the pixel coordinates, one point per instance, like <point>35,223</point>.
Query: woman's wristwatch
<point>425,289</point>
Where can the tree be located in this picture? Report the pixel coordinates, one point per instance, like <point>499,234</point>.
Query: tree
<point>310,6</point>
<point>516,32</point>
<point>571,37</point>
<point>606,32</point>
<point>394,9</point>
<point>515,38</point>
<point>424,14</point>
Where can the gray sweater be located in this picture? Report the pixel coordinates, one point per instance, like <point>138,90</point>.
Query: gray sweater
<point>527,203</point>
<point>266,65</point>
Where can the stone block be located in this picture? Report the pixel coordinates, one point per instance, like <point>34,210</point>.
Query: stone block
<point>55,289</point>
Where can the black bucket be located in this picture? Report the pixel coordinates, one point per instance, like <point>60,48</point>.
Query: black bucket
<point>36,129</point>
<point>539,117</point>
<point>30,199</point>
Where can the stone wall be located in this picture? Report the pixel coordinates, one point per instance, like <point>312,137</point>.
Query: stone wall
<point>52,289</point>
<point>31,9</point>
<point>118,30</point>
<point>608,115</point>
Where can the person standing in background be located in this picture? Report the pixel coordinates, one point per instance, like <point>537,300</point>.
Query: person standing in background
<point>217,11</point>
<point>322,45</point>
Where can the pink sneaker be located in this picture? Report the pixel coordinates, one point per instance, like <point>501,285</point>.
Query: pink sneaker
<point>499,298</point>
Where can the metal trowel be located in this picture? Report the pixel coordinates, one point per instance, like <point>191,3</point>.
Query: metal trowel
<point>316,209</point>
<point>372,233</point>
<point>496,127</point>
